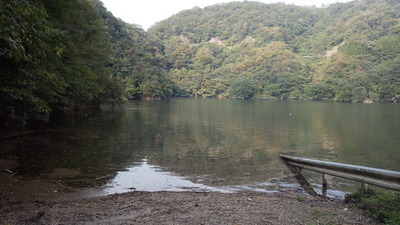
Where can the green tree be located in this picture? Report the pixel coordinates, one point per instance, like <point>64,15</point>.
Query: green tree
<point>243,88</point>
<point>27,41</point>
<point>290,51</point>
<point>320,90</point>
<point>54,57</point>
<point>136,57</point>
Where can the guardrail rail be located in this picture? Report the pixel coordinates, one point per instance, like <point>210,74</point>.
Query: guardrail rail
<point>366,175</point>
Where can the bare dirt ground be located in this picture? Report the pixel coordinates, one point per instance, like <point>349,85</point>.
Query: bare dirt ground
<point>183,208</point>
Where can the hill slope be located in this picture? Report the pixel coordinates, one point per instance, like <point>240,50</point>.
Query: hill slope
<point>137,60</point>
<point>347,52</point>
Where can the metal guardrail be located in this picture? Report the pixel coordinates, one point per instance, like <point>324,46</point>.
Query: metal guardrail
<point>366,175</point>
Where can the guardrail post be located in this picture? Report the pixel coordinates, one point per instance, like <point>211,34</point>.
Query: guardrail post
<point>364,186</point>
<point>324,185</point>
<point>301,179</point>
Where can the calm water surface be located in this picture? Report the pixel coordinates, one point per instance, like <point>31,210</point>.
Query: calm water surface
<point>211,145</point>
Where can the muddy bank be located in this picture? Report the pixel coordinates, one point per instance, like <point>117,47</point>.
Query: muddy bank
<point>48,201</point>
<point>183,208</point>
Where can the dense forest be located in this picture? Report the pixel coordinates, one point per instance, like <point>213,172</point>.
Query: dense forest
<point>137,59</point>
<point>346,52</point>
<point>54,57</point>
<point>59,55</point>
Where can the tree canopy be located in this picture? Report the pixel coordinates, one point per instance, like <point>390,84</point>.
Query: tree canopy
<point>53,57</point>
<point>345,52</point>
<point>58,55</point>
<point>137,59</point>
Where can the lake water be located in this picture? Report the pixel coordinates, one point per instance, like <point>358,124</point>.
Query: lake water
<point>211,145</point>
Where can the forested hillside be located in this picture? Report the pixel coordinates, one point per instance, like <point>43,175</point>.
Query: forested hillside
<point>58,55</point>
<point>54,56</point>
<point>346,52</point>
<point>137,60</point>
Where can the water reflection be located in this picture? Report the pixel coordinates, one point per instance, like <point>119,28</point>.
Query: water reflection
<point>210,144</point>
<point>145,177</point>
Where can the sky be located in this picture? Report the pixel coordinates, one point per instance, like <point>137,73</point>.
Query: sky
<point>147,12</point>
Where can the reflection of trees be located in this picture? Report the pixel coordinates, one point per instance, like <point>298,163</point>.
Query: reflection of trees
<point>238,139</point>
<point>223,139</point>
<point>90,147</point>
<point>229,141</point>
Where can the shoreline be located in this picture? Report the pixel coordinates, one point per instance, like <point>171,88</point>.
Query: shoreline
<point>184,208</point>
<point>49,201</point>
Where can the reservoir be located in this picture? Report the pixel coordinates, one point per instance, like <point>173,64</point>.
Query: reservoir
<point>209,144</point>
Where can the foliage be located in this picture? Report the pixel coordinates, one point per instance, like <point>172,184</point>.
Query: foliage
<point>345,52</point>
<point>137,59</point>
<point>58,55</point>
<point>318,91</point>
<point>384,207</point>
<point>27,40</point>
<point>244,89</point>
<point>54,56</point>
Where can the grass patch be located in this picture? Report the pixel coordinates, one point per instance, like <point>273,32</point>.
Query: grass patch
<point>381,206</point>
<point>316,215</point>
<point>301,199</point>
<point>319,217</point>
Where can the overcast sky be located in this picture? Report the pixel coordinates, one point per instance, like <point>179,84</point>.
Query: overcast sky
<point>147,12</point>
